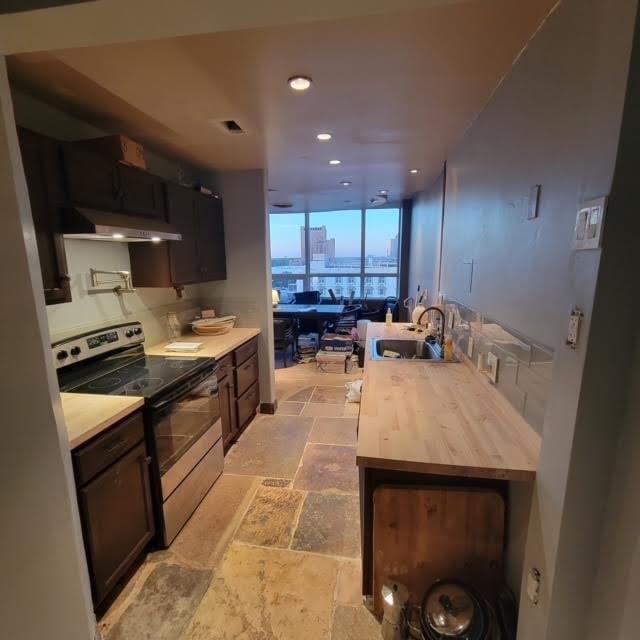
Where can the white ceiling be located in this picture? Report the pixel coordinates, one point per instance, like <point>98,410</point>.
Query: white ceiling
<point>397,90</point>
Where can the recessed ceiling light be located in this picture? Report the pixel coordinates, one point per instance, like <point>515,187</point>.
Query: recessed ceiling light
<point>414,170</point>
<point>324,136</point>
<point>383,192</point>
<point>155,239</point>
<point>345,183</point>
<point>299,83</point>
<point>335,162</point>
<point>117,236</point>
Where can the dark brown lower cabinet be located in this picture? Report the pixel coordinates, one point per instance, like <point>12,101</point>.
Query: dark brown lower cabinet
<point>115,509</point>
<point>227,392</point>
<point>239,390</point>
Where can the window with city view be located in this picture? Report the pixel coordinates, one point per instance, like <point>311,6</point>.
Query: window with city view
<point>352,252</point>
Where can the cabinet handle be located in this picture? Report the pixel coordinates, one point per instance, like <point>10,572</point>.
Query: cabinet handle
<point>147,460</point>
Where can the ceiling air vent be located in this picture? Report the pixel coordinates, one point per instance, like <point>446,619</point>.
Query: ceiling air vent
<point>231,126</point>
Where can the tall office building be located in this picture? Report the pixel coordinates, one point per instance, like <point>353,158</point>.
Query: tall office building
<point>319,245</point>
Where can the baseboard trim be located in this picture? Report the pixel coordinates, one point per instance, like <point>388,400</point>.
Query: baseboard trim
<point>269,407</point>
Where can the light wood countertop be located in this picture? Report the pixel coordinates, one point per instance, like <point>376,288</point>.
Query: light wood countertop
<point>88,414</point>
<point>212,346</point>
<point>435,418</point>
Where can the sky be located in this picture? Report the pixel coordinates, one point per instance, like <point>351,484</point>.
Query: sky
<point>344,226</point>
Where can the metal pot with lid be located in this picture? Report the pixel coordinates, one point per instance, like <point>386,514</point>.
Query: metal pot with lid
<point>451,610</point>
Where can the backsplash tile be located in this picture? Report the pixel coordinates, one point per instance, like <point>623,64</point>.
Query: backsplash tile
<point>526,367</point>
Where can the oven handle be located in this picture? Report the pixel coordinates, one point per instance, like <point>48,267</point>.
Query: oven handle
<point>184,389</point>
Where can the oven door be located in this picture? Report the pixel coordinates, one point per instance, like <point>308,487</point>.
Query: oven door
<point>186,424</point>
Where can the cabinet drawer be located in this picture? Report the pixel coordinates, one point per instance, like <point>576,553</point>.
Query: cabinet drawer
<point>117,519</point>
<point>246,374</point>
<point>248,403</point>
<point>92,458</point>
<point>225,366</point>
<point>245,351</point>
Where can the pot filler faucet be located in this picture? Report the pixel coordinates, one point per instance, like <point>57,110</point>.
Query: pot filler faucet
<point>442,322</point>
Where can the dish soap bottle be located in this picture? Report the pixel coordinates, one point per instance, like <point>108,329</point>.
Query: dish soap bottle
<point>388,318</point>
<point>448,348</point>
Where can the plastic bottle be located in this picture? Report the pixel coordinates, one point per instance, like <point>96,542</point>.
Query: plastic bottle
<point>388,318</point>
<point>448,348</point>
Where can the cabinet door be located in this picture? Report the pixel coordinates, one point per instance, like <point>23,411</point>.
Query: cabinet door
<point>212,263</point>
<point>228,410</point>
<point>118,519</point>
<point>92,179</point>
<point>41,161</point>
<point>182,253</point>
<point>142,193</point>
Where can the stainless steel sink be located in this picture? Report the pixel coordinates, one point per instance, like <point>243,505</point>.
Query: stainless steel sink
<point>415,350</point>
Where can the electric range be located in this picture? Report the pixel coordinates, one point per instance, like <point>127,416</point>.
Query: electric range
<point>181,412</point>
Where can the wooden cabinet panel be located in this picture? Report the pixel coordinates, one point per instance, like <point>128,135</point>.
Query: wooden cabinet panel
<point>117,519</point>
<point>92,179</point>
<point>246,374</point>
<point>183,256</point>
<point>41,162</point>
<point>142,192</point>
<point>247,405</point>
<point>226,389</point>
<point>436,532</point>
<point>209,221</point>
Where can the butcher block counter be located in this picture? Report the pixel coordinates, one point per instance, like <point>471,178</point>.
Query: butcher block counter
<point>87,414</point>
<point>212,346</point>
<point>439,418</point>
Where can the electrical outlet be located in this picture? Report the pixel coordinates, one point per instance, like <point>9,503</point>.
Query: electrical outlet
<point>573,331</point>
<point>534,581</point>
<point>470,347</point>
<point>493,362</point>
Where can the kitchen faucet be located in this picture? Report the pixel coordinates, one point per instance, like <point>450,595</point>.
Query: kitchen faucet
<point>443,320</point>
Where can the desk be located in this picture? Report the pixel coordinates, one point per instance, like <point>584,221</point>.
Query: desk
<point>311,311</point>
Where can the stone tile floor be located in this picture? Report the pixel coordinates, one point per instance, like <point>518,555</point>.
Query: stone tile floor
<point>273,550</point>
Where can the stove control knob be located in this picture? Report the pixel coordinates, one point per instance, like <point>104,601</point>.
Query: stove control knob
<point>75,351</point>
<point>138,331</point>
<point>129,333</point>
<point>61,355</point>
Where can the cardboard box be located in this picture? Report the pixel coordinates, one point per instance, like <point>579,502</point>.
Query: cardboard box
<point>331,362</point>
<point>336,342</point>
<point>118,147</point>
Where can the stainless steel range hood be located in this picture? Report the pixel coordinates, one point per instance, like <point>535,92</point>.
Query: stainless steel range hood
<point>91,224</point>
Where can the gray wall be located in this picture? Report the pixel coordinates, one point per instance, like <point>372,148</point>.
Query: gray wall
<point>246,292</point>
<point>555,121</point>
<point>43,577</point>
<point>424,248</point>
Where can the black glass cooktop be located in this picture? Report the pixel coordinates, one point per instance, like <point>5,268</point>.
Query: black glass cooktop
<point>130,374</point>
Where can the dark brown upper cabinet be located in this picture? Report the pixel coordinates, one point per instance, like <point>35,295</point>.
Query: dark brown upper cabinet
<point>142,192</point>
<point>97,181</point>
<point>40,159</point>
<point>92,179</point>
<point>198,257</point>
<point>209,223</point>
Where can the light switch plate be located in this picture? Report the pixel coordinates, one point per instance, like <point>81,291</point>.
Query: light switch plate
<point>470,347</point>
<point>493,363</point>
<point>589,224</point>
